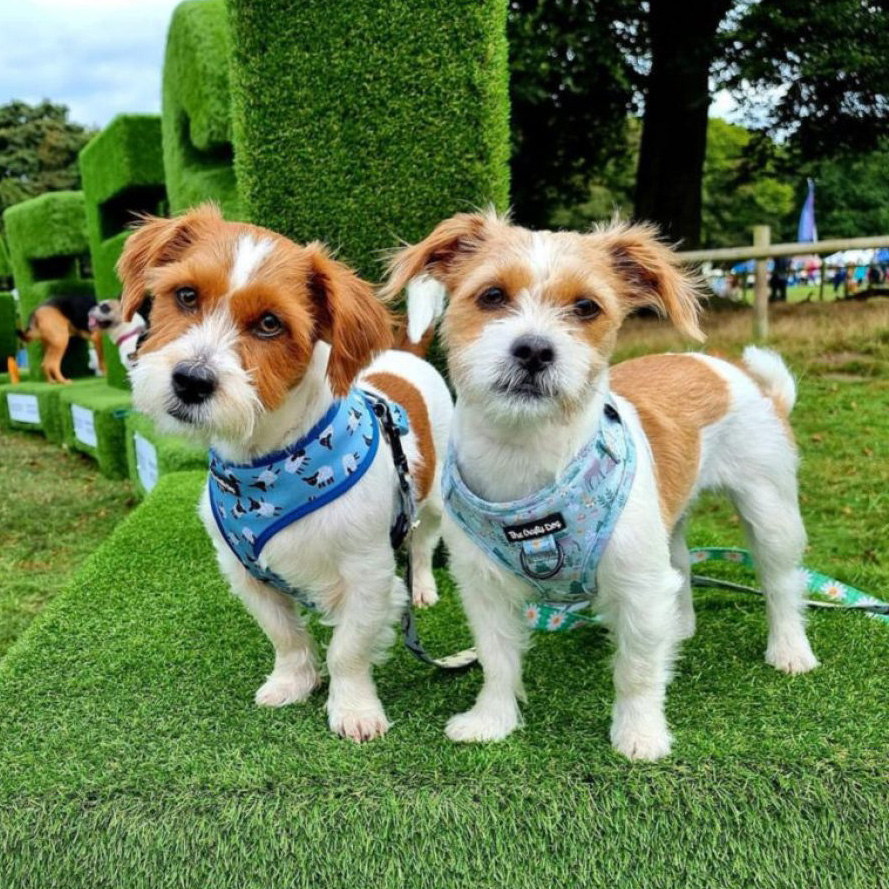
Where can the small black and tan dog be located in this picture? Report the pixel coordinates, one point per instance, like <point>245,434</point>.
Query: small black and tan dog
<point>53,323</point>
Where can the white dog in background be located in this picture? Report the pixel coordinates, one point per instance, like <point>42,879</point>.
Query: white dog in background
<point>107,317</point>
<point>531,322</point>
<point>253,340</point>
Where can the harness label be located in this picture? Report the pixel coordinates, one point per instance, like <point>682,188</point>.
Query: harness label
<point>532,530</point>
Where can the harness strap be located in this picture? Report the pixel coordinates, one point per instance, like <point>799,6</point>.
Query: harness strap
<point>400,534</point>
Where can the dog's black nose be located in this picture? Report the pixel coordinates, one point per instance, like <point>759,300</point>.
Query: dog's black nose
<point>104,307</point>
<point>533,353</point>
<point>193,383</point>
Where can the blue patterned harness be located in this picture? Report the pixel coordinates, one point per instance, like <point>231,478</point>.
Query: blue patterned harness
<point>554,538</point>
<point>252,502</point>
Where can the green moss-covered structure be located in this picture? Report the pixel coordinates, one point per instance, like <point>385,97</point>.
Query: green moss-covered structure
<point>100,433</point>
<point>6,281</point>
<point>151,455</point>
<point>45,398</point>
<point>122,169</point>
<point>9,342</point>
<point>196,117</point>
<point>49,251</point>
<point>364,122</point>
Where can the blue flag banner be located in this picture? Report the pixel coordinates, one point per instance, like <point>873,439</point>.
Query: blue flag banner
<point>808,231</point>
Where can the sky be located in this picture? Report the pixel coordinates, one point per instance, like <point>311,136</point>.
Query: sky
<point>102,57</point>
<point>98,57</point>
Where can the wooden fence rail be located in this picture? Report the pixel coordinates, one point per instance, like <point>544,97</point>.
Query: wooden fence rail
<point>762,250</point>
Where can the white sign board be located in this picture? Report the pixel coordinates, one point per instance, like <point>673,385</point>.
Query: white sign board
<point>84,425</point>
<point>23,408</point>
<point>146,461</point>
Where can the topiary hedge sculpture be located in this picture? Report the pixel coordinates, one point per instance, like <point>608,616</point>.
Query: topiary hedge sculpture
<point>197,141</point>
<point>6,281</point>
<point>360,123</point>
<point>50,255</point>
<point>122,169</point>
<point>9,343</point>
<point>92,420</point>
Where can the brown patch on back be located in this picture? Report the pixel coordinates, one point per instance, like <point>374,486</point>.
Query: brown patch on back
<point>675,397</point>
<point>408,396</point>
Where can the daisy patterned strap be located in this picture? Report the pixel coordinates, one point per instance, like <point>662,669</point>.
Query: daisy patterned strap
<point>556,618</point>
<point>832,593</point>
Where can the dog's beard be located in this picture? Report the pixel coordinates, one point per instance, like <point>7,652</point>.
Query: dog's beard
<point>229,415</point>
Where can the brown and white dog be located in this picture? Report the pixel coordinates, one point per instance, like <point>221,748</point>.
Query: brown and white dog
<point>530,325</point>
<point>252,338</point>
<point>53,323</point>
<point>106,317</point>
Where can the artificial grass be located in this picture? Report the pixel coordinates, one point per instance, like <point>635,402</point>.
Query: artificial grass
<point>130,746</point>
<point>196,117</point>
<point>9,321</point>
<point>364,122</point>
<point>55,510</point>
<point>107,408</point>
<point>47,245</point>
<point>170,453</point>
<point>48,397</point>
<point>5,265</point>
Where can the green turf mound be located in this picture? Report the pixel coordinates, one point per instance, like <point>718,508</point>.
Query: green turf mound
<point>93,423</point>
<point>123,175</point>
<point>131,752</point>
<point>364,122</point>
<point>196,121</point>
<point>5,265</point>
<point>9,321</point>
<point>48,248</point>
<point>150,455</point>
<point>35,406</point>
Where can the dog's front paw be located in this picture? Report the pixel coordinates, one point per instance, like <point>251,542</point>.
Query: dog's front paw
<point>791,655</point>
<point>483,724</point>
<point>359,725</point>
<point>640,736</point>
<point>281,689</point>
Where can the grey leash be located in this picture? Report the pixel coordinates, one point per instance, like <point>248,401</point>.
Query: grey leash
<point>400,536</point>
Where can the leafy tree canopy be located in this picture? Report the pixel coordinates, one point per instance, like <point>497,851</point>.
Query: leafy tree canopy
<point>38,151</point>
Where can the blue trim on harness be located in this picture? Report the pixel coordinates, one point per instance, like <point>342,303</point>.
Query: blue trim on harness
<point>554,538</point>
<point>338,450</point>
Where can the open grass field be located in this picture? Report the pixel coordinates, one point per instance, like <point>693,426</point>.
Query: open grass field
<point>55,509</point>
<point>131,753</point>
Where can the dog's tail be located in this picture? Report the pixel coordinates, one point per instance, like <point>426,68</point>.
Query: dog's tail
<point>29,333</point>
<point>767,367</point>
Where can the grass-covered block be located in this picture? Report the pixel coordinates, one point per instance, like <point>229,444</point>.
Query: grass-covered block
<point>5,265</point>
<point>122,170</point>
<point>196,115</point>
<point>35,406</point>
<point>49,252</point>
<point>93,423</point>
<point>362,123</point>
<point>9,321</point>
<point>152,455</point>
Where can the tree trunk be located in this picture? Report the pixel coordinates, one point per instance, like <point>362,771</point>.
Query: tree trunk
<point>674,126</point>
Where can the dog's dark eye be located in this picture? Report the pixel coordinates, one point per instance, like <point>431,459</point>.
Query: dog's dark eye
<point>269,325</point>
<point>187,297</point>
<point>586,308</point>
<point>492,298</point>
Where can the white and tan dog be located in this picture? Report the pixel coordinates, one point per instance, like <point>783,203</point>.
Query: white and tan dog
<point>106,316</point>
<point>530,325</point>
<point>252,340</point>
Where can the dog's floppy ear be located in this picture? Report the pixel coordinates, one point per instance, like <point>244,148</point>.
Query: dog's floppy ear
<point>348,316</point>
<point>154,242</point>
<point>651,274</point>
<point>424,268</point>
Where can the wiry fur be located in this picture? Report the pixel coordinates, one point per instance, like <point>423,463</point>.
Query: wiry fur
<point>268,393</point>
<point>510,443</point>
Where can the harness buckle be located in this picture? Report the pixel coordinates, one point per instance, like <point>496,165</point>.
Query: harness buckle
<point>545,556</point>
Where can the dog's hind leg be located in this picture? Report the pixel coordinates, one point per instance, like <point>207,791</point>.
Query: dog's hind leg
<point>777,537</point>
<point>681,561</point>
<point>52,327</point>
<point>423,543</point>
